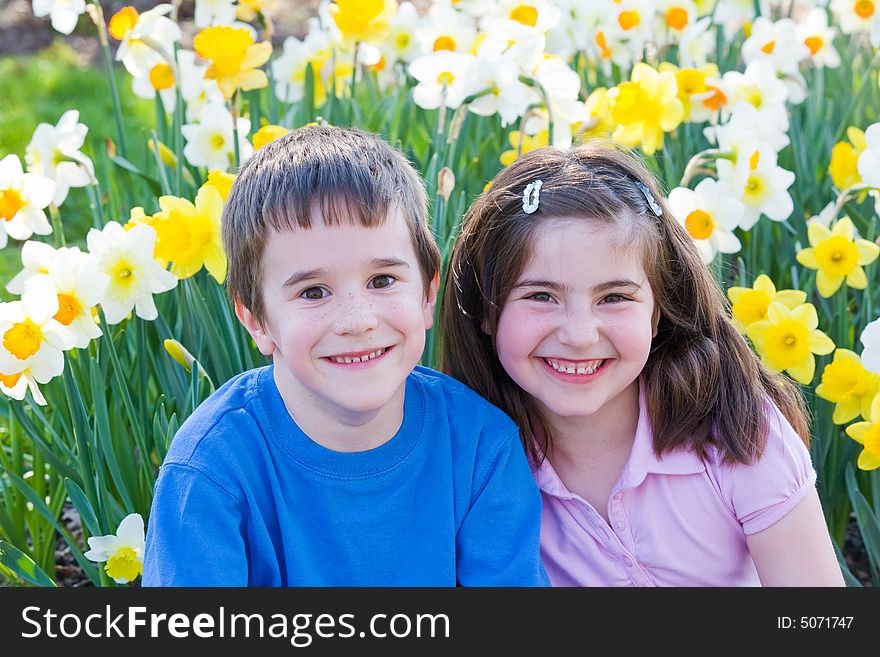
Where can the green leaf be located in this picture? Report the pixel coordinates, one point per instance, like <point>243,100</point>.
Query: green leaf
<point>83,506</point>
<point>869,526</point>
<point>23,566</point>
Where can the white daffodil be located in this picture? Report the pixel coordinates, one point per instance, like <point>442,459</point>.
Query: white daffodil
<point>733,15</point>
<point>30,336</point>
<point>608,46</point>
<point>123,551</point>
<point>815,33</point>
<point>17,385</point>
<point>869,160</point>
<point>574,32</point>
<point>497,79</point>
<point>317,51</point>
<point>127,258</point>
<point>36,257</point>
<point>402,43</point>
<point>760,184</point>
<point>709,215</point>
<point>760,87</point>
<point>745,131</point>
<point>63,13</point>
<point>511,42</point>
<point>210,142</point>
<point>195,89</point>
<point>442,78</point>
<point>538,14</point>
<point>697,44</point>
<point>777,43</point>
<point>856,16</point>
<point>79,286</point>
<point>634,18</point>
<point>871,341</point>
<point>563,87</point>
<point>147,38</point>
<point>23,198</point>
<point>54,151</point>
<point>674,17</point>
<point>214,12</point>
<point>446,28</point>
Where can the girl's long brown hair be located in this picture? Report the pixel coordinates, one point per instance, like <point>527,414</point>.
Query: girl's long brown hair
<point>703,384</point>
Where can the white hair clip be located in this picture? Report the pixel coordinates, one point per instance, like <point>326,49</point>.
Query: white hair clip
<point>532,196</point>
<point>649,197</point>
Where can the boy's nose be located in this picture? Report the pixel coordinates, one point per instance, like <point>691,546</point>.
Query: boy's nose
<point>356,316</point>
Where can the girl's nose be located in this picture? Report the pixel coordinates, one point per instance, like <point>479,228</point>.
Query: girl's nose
<point>356,316</point>
<point>579,328</point>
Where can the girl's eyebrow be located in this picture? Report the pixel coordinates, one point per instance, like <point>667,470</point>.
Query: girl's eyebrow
<point>309,274</point>
<point>601,287</point>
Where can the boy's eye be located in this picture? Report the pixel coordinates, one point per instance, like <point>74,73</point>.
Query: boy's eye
<point>313,293</point>
<point>381,281</point>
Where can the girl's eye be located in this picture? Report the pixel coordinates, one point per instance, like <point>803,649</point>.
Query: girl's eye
<point>382,281</point>
<point>313,293</point>
<point>540,296</point>
<point>613,298</point>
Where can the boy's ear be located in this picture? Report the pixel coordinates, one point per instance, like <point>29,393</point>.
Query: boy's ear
<point>431,301</point>
<point>263,340</point>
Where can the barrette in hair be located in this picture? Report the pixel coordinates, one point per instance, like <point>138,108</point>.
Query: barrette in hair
<point>649,197</point>
<point>532,196</point>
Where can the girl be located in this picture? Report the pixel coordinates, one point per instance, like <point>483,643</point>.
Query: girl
<point>665,452</point>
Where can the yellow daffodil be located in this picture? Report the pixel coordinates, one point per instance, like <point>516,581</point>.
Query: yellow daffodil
<point>234,58</point>
<point>847,384</point>
<point>837,256</point>
<point>788,340</point>
<point>248,10</point>
<point>221,181</point>
<point>698,97</point>
<point>750,304</point>
<point>867,434</point>
<point>268,133</point>
<point>646,107</point>
<point>189,234</point>
<point>523,143</point>
<point>363,20</point>
<point>599,106</point>
<point>123,551</point>
<point>844,159</point>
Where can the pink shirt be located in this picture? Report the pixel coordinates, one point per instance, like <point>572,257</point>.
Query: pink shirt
<point>675,521</point>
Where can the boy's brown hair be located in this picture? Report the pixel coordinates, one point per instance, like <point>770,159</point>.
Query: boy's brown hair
<point>348,175</point>
<point>703,384</point>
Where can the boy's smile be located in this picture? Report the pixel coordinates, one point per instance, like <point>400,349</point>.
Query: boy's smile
<point>345,323</point>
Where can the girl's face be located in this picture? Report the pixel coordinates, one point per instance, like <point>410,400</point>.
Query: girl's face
<point>576,329</point>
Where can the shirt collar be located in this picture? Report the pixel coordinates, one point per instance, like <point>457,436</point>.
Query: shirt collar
<point>642,460</point>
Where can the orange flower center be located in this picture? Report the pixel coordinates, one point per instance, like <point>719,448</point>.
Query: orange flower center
<point>161,77</point>
<point>677,18</point>
<point>444,42</point>
<point>10,203</point>
<point>768,47</point>
<point>864,8</point>
<point>814,43</point>
<point>525,14</point>
<point>629,19</point>
<point>123,22</point>
<point>68,308</point>
<point>23,339</point>
<point>699,224</point>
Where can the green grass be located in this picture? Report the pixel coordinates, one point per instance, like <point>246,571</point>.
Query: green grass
<point>38,89</point>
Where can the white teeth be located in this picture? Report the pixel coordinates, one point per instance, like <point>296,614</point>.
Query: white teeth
<point>358,359</point>
<point>587,368</point>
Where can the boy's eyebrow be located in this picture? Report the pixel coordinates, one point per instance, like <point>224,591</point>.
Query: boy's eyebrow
<point>309,274</point>
<point>601,287</point>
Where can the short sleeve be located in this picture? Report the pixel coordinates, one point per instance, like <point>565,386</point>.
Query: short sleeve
<point>760,494</point>
<point>195,534</point>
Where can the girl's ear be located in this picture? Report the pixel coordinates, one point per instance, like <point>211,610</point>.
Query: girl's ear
<point>261,337</point>
<point>655,320</point>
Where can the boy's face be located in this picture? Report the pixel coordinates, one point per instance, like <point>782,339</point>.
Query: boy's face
<point>345,318</point>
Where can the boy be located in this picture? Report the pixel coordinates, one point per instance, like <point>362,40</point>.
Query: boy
<point>342,463</point>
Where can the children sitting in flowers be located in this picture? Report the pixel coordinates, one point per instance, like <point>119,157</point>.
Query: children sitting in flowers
<point>342,462</point>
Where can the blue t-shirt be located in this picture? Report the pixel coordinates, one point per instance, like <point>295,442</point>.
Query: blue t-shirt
<point>245,498</point>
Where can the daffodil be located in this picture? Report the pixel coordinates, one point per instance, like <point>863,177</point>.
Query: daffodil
<point>30,337</point>
<point>221,181</point>
<point>147,38</point>
<point>709,216</point>
<point>675,16</point>
<point>23,197</point>
<point>72,276</point>
<point>869,159</point>
<point>870,339</point>
<point>697,45</point>
<point>523,143</point>
<point>777,43</point>
<point>867,434</point>
<point>646,107</point>
<point>214,12</point>
<point>268,133</point>
<point>446,28</point>
<point>248,10</point>
<point>135,276</point>
<point>331,70</point>
<point>54,151</point>
<point>189,234</point>
<point>759,184</point>
<point>760,87</point>
<point>17,385</point>
<point>838,256</point>
<point>847,384</point>
<point>64,13</point>
<point>36,258</point>
<point>751,304</point>
<point>856,16</point>
<point>538,14</point>
<point>211,141</point>
<point>788,340</point>
<point>442,77</point>
<point>234,58</point>
<point>363,20</point>
<point>601,123</point>
<point>123,551</point>
<point>844,167</point>
<point>818,37</point>
<point>561,99</point>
